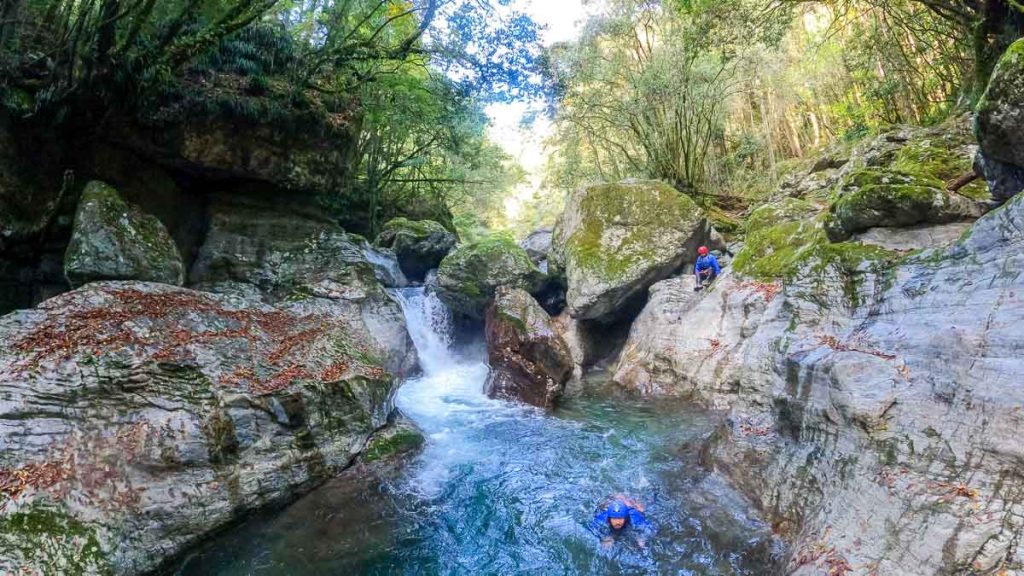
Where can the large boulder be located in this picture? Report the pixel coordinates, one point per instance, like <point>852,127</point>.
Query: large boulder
<point>420,245</point>
<point>870,198</point>
<point>537,245</point>
<point>469,275</point>
<point>114,240</point>
<point>1000,124</point>
<point>137,418</point>
<point>279,253</point>
<point>614,240</point>
<point>529,361</point>
<point>1000,120</point>
<point>874,412</point>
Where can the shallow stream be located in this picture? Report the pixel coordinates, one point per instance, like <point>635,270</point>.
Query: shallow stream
<point>505,489</point>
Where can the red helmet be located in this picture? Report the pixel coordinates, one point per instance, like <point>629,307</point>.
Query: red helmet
<point>703,250</point>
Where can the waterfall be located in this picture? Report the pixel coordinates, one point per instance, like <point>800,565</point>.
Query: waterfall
<point>430,325</point>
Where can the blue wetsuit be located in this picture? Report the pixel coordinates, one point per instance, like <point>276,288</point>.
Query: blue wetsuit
<point>706,262</point>
<point>635,520</point>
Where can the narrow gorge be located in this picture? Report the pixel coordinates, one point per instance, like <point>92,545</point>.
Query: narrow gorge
<point>234,342</point>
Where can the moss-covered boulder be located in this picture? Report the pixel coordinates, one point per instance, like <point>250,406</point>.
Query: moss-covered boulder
<point>785,210</point>
<point>114,240</point>
<point>419,245</point>
<point>613,241</point>
<point>400,437</point>
<point>1000,121</point>
<point>529,361</point>
<point>870,198</point>
<point>1000,125</point>
<point>469,275</point>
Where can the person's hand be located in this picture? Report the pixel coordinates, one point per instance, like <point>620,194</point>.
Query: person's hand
<point>607,542</point>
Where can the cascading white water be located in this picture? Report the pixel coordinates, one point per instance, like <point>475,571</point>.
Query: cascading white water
<point>501,488</point>
<point>430,325</point>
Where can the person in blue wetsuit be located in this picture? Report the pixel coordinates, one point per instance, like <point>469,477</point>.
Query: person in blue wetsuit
<point>706,269</point>
<point>621,515</point>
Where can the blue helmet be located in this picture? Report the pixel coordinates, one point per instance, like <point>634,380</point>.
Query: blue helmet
<point>618,510</point>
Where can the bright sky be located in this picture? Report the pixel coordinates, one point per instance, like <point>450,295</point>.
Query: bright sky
<point>562,19</point>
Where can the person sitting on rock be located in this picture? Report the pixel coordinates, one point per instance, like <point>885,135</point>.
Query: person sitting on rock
<point>706,269</point>
<point>618,516</point>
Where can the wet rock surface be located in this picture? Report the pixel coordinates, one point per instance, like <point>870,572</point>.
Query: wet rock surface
<point>529,360</point>
<point>874,415</point>
<point>137,417</point>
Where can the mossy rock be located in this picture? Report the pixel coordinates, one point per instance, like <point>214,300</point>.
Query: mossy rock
<point>785,210</point>
<point>395,440</point>
<point>944,157</point>
<point>613,241</point>
<point>870,198</point>
<point>114,240</point>
<point>791,249</point>
<point>469,275</point>
<point>1000,123</point>
<point>419,245</point>
<point>44,537</point>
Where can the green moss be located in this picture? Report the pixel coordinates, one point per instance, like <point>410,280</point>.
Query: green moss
<point>723,221</point>
<point>645,211</point>
<point>391,443</point>
<point>471,272</point>
<point>941,159</point>
<point>889,198</point>
<point>791,249</point>
<point>416,227</point>
<point>778,251</point>
<point>49,539</point>
<point>786,210</point>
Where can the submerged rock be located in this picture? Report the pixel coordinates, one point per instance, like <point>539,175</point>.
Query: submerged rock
<point>875,410</point>
<point>114,240</point>
<point>470,274</point>
<point>420,245</point>
<point>614,240</point>
<point>138,417</point>
<point>529,361</point>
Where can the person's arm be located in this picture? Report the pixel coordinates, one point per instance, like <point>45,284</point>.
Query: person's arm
<point>714,264</point>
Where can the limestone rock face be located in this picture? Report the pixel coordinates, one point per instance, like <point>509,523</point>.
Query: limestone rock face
<point>218,149</point>
<point>614,240</point>
<point>529,361</point>
<point>470,274</point>
<point>275,255</point>
<point>137,417</point>
<point>538,244</point>
<point>874,411</point>
<point>420,245</point>
<point>113,240</point>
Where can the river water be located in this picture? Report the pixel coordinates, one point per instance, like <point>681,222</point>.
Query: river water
<point>506,489</point>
